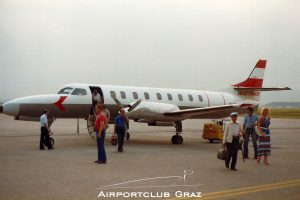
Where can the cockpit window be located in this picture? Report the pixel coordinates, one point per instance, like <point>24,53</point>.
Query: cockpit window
<point>79,91</point>
<point>66,90</point>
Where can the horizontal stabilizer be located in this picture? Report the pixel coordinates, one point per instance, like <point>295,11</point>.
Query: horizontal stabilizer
<point>261,89</point>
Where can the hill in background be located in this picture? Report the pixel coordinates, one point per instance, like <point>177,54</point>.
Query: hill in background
<point>283,105</point>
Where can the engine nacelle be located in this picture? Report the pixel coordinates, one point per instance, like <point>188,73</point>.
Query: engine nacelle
<point>153,111</point>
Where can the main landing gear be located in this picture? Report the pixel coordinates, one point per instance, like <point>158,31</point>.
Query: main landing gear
<point>177,139</point>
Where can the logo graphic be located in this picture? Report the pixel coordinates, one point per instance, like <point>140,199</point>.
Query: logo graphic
<point>176,179</point>
<point>59,103</point>
<point>115,190</point>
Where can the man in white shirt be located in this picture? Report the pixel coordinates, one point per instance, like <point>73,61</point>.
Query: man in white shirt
<point>232,134</point>
<point>45,130</point>
<point>96,100</point>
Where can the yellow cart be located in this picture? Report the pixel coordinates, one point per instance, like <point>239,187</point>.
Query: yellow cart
<point>213,131</point>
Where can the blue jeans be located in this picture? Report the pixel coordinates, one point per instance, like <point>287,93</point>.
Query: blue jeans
<point>121,134</point>
<point>250,132</point>
<point>100,145</point>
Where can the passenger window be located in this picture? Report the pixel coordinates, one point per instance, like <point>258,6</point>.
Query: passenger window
<point>123,95</point>
<point>113,94</point>
<point>180,97</point>
<point>170,97</point>
<point>79,91</point>
<point>146,94</point>
<point>66,90</point>
<point>158,96</point>
<point>191,98</point>
<point>200,98</point>
<point>135,95</point>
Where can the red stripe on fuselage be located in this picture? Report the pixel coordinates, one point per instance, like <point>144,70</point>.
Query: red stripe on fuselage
<point>59,103</point>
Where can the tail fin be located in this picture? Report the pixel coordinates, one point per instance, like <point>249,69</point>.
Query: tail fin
<point>250,89</point>
<point>256,78</point>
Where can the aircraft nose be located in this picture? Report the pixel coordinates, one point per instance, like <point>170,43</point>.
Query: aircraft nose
<point>11,108</point>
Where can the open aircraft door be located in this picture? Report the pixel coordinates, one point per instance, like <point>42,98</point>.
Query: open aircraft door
<point>92,115</point>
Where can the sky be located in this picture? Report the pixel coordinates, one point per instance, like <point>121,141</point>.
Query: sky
<point>192,44</point>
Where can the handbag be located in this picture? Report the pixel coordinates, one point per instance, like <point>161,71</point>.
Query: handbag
<point>114,139</point>
<point>223,153</point>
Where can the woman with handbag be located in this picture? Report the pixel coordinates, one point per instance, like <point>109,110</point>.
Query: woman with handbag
<point>264,140</point>
<point>232,134</point>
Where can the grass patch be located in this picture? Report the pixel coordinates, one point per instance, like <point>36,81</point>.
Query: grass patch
<point>291,113</point>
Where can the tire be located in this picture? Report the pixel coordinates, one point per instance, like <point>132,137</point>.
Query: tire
<point>51,141</point>
<point>173,140</point>
<point>177,139</point>
<point>211,141</point>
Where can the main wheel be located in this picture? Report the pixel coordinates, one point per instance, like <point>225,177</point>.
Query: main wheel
<point>51,141</point>
<point>177,139</point>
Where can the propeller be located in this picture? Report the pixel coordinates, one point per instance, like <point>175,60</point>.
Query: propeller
<point>118,102</point>
<point>130,107</point>
<point>133,106</point>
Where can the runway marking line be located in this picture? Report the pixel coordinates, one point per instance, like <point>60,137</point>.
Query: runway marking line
<point>246,190</point>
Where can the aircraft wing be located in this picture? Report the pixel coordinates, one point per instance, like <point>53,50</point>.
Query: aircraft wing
<point>262,89</point>
<point>187,113</point>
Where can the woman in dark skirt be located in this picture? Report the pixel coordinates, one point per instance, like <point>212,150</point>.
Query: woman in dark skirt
<point>264,140</point>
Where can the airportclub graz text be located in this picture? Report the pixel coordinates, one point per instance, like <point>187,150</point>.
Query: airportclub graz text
<point>249,93</point>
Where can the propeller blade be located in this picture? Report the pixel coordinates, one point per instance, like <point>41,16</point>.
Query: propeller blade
<point>118,102</point>
<point>133,106</point>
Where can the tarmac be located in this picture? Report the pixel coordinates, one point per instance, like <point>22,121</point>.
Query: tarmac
<point>149,166</point>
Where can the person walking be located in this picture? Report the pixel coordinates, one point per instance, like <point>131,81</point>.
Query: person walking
<point>100,127</point>
<point>45,130</point>
<point>264,139</point>
<point>231,137</point>
<point>96,99</point>
<point>120,128</point>
<point>249,127</point>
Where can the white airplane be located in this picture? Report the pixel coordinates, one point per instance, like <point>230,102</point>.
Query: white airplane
<point>154,106</point>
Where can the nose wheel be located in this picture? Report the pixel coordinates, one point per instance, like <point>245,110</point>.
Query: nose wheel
<point>51,141</point>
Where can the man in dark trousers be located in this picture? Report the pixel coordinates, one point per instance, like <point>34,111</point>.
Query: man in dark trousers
<point>121,122</point>
<point>45,130</point>
<point>232,134</point>
<point>250,122</point>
